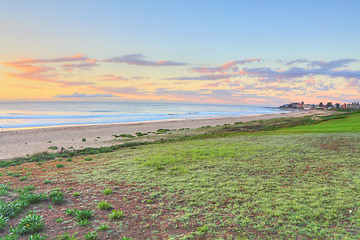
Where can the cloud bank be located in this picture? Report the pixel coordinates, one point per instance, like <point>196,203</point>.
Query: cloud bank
<point>137,59</point>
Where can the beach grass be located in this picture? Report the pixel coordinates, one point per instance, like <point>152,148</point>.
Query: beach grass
<point>273,185</point>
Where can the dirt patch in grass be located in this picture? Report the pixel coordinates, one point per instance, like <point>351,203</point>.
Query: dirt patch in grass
<point>136,205</point>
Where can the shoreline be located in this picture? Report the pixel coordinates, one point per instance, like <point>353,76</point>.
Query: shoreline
<point>20,142</point>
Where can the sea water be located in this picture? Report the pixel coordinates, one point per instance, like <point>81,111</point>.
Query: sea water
<point>42,114</point>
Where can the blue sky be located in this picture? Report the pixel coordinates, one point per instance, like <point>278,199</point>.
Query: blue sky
<point>196,33</point>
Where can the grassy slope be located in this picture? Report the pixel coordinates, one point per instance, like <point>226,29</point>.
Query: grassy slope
<point>285,186</point>
<point>348,124</point>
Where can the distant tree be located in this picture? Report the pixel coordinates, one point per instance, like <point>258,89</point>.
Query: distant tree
<point>337,105</point>
<point>329,104</point>
<point>321,104</point>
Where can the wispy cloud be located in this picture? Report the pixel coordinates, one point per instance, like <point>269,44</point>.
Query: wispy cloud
<point>111,77</point>
<point>323,64</point>
<point>87,65</point>
<point>115,78</point>
<point>229,65</point>
<point>78,57</point>
<point>84,95</point>
<point>205,77</point>
<point>137,59</point>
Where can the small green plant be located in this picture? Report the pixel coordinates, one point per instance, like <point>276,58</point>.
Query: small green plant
<point>162,131</point>
<point>124,136</point>
<point>59,165</point>
<point>139,134</point>
<point>47,181</point>
<point>24,189</point>
<point>11,174</point>
<point>84,214</point>
<point>37,236</point>
<point>83,139</point>
<point>32,223</point>
<point>32,198</point>
<point>23,178</point>
<point>84,222</point>
<point>53,147</point>
<point>11,237</point>
<point>88,159</point>
<point>72,212</point>
<point>56,196</point>
<point>59,220</point>
<point>202,229</point>
<point>116,214</point>
<point>3,221</point>
<point>104,206</point>
<point>107,191</point>
<point>4,192</point>
<point>69,160</point>
<point>90,235</point>
<point>103,227</point>
<point>76,194</point>
<point>67,236</point>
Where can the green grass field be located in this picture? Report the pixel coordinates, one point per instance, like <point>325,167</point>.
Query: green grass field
<point>348,124</point>
<point>257,186</point>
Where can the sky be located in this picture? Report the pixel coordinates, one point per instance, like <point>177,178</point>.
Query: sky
<point>255,52</point>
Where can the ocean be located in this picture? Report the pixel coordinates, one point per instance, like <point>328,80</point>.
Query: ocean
<point>43,114</point>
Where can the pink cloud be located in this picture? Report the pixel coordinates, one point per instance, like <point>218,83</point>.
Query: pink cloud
<point>33,71</point>
<point>224,67</point>
<point>110,77</point>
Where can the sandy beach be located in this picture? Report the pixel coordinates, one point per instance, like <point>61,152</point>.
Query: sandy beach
<point>18,143</point>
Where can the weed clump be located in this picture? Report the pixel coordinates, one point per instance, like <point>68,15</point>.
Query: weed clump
<point>107,191</point>
<point>103,227</point>
<point>116,214</point>
<point>104,206</point>
<point>90,235</point>
<point>37,236</point>
<point>67,236</point>
<point>30,224</point>
<point>56,196</point>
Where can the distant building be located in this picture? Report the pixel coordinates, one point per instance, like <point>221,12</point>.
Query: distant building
<point>354,105</point>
